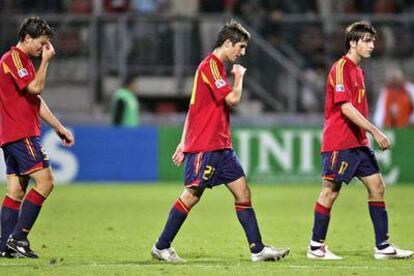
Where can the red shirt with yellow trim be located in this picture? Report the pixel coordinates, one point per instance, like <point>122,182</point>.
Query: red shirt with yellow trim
<point>208,119</point>
<point>19,110</point>
<point>345,83</point>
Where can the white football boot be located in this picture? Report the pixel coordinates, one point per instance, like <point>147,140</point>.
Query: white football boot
<point>392,252</point>
<point>322,253</point>
<point>270,253</point>
<point>167,255</point>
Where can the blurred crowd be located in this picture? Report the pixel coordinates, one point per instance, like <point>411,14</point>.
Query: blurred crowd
<point>299,29</point>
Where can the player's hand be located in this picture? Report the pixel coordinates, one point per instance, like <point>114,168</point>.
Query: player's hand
<point>48,51</point>
<point>66,136</point>
<point>238,70</point>
<point>178,156</point>
<point>382,140</point>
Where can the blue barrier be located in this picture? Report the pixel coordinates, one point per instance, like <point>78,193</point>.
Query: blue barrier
<point>103,154</point>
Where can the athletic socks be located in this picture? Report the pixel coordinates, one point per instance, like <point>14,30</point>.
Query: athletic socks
<point>176,218</point>
<point>320,224</point>
<point>379,219</point>
<point>247,218</point>
<point>30,210</point>
<point>9,215</point>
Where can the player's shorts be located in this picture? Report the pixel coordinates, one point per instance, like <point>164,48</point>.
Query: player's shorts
<point>25,156</point>
<point>341,166</point>
<point>212,168</point>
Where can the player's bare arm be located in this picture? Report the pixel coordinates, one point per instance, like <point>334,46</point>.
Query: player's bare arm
<point>178,156</point>
<point>234,97</point>
<point>356,117</point>
<point>37,85</point>
<point>64,134</point>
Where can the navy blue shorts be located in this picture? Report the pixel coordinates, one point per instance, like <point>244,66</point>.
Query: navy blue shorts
<point>342,166</point>
<point>25,156</point>
<point>212,168</point>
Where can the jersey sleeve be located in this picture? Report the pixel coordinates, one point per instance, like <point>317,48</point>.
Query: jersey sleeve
<point>217,82</point>
<point>19,70</point>
<point>341,80</point>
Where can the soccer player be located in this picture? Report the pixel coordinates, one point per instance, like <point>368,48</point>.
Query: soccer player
<point>345,148</point>
<point>20,109</point>
<point>207,150</point>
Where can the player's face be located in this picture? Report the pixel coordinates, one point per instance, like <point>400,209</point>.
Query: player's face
<point>237,50</point>
<point>365,46</point>
<point>35,45</point>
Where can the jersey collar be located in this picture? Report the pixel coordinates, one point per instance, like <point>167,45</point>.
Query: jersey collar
<point>350,61</point>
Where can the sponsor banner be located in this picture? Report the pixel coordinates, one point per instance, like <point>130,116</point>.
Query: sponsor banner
<point>103,154</point>
<point>290,155</point>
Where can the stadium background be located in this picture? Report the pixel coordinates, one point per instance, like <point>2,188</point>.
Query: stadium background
<point>276,129</point>
<point>161,42</point>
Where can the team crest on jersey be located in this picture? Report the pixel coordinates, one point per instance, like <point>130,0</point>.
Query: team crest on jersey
<point>220,83</point>
<point>339,88</point>
<point>22,72</point>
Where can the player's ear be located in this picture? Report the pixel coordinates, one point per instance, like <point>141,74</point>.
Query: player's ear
<point>352,43</point>
<point>227,43</point>
<point>27,38</point>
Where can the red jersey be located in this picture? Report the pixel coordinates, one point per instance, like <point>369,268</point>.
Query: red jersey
<point>19,110</point>
<point>345,83</point>
<point>208,119</point>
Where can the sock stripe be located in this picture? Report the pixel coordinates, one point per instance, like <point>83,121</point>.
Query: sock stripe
<point>35,197</point>
<point>240,206</point>
<point>322,209</point>
<point>379,204</point>
<point>11,203</point>
<point>180,206</point>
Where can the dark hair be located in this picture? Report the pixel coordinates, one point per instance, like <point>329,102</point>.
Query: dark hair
<point>356,31</point>
<point>234,31</point>
<point>128,79</point>
<point>35,27</point>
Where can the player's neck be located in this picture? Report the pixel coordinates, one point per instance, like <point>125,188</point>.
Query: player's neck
<point>21,47</point>
<point>220,54</point>
<point>354,57</point>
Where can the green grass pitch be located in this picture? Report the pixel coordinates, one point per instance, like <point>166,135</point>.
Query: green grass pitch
<point>109,230</point>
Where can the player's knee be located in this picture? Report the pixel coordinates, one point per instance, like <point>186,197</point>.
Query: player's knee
<point>16,193</point>
<point>45,185</point>
<point>377,190</point>
<point>243,196</point>
<point>191,196</point>
<point>329,194</point>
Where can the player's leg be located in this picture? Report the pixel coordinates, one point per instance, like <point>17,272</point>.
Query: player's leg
<point>383,249</point>
<point>16,189</point>
<point>194,166</point>
<point>33,202</point>
<point>32,161</point>
<point>247,218</point>
<point>337,167</point>
<point>376,188</point>
<point>177,216</point>
<point>322,215</point>
<point>162,250</point>
<point>322,212</point>
<point>245,213</point>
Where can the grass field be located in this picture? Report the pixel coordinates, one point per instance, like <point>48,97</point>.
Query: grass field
<point>109,230</point>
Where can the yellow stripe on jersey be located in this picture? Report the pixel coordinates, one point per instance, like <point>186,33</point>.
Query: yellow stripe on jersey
<point>205,79</point>
<point>214,69</point>
<point>16,60</point>
<point>340,72</point>
<point>7,70</point>
<point>194,90</point>
<point>331,82</point>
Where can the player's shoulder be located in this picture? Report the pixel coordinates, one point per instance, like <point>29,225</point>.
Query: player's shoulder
<point>13,56</point>
<point>207,62</point>
<point>340,65</point>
